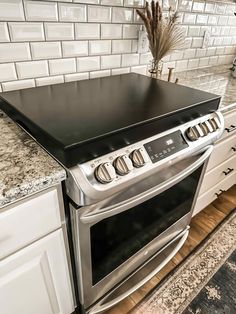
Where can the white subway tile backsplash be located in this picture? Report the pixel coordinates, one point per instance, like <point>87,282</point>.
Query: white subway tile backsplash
<point>15,85</point>
<point>122,15</point>
<point>111,31</point>
<point>120,71</point>
<point>185,5</point>
<point>87,31</point>
<point>75,48</point>
<point>93,38</point>
<point>11,10</point>
<point>189,53</point>
<point>193,63</point>
<point>45,50</point>
<point>10,52</point>
<point>112,2</point>
<point>134,48</point>
<point>4,35</point>
<point>76,77</point>
<point>220,8</point>
<point>223,20</point>
<point>21,31</point>
<point>198,6</point>
<point>99,14</point>
<point>131,31</point>
<point>197,42</point>
<point>211,51</point>
<point>133,3</point>
<point>189,18</point>
<point>85,64</point>
<point>62,66</point>
<point>99,47</point>
<point>32,69</point>
<point>130,59</point>
<point>72,12</point>
<point>110,61</point>
<point>139,69</point>
<point>40,11</point>
<point>181,65</point>
<point>202,19</point>
<point>7,72</point>
<point>210,7</point>
<point>49,80</point>
<point>194,31</point>
<point>102,73</point>
<point>200,53</point>
<point>59,31</point>
<point>203,62</point>
<point>121,46</point>
<point>83,1</point>
<point>145,58</point>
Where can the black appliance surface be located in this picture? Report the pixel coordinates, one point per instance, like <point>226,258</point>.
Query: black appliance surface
<point>78,121</point>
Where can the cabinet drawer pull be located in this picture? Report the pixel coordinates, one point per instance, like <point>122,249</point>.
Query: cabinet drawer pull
<point>233,148</point>
<point>231,128</point>
<point>228,171</point>
<point>220,192</point>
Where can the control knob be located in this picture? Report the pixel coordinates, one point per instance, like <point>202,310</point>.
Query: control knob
<point>123,165</point>
<point>139,157</point>
<point>105,173</point>
<point>192,134</point>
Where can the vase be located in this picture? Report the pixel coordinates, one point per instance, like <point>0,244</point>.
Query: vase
<point>155,69</point>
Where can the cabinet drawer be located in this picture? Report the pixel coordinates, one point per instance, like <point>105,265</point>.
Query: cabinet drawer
<point>209,196</point>
<point>218,174</point>
<point>28,220</point>
<point>222,151</point>
<point>230,124</point>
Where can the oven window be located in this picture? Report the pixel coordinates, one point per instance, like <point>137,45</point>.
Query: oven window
<point>117,238</point>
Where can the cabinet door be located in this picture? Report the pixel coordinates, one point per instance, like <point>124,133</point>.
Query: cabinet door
<point>36,280</point>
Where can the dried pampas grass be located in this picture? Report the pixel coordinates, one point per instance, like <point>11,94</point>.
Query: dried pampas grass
<point>164,33</point>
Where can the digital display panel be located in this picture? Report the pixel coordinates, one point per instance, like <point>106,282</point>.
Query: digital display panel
<point>165,146</point>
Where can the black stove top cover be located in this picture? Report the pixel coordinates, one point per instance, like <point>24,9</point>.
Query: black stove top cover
<point>78,121</point>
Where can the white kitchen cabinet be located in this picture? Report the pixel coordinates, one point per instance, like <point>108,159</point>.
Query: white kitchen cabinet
<point>35,280</point>
<point>221,169</point>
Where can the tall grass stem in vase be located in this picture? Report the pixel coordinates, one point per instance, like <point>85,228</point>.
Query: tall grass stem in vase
<point>163,32</point>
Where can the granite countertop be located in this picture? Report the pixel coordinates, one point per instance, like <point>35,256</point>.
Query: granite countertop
<point>216,80</point>
<point>25,168</point>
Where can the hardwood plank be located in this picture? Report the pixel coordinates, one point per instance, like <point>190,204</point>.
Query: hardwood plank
<point>201,225</point>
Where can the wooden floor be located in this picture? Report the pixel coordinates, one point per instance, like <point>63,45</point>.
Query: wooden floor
<point>202,224</point>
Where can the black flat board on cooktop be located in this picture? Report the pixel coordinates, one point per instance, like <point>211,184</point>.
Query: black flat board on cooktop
<point>81,120</point>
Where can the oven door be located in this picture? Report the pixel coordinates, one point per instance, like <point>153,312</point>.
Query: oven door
<point>115,237</point>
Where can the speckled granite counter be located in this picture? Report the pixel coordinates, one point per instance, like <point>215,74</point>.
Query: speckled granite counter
<point>25,168</point>
<point>216,80</point>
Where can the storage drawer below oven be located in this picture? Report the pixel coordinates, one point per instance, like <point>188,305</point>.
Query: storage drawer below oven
<point>218,174</point>
<point>209,196</point>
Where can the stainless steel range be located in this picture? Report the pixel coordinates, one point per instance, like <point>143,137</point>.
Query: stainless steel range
<point>135,150</point>
<point>138,203</point>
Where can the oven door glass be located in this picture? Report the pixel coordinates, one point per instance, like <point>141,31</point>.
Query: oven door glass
<point>117,238</point>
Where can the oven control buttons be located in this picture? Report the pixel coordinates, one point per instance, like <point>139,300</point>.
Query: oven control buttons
<point>139,157</point>
<point>123,165</point>
<point>105,173</point>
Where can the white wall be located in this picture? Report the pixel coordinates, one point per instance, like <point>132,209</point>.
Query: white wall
<point>46,42</point>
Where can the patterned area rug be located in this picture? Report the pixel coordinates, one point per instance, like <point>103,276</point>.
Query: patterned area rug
<point>205,283</point>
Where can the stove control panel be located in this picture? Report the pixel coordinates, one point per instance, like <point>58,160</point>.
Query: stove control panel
<point>165,146</point>
<point>135,159</point>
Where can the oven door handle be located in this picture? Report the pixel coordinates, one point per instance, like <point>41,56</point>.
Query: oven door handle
<point>99,214</point>
<point>101,306</point>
